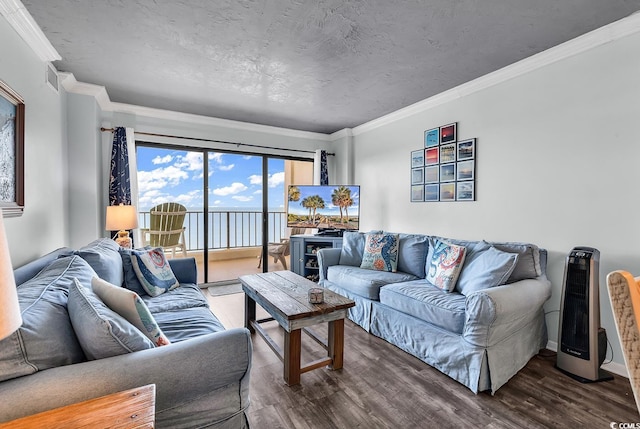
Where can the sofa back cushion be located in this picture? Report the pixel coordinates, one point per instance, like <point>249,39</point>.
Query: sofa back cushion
<point>131,281</point>
<point>46,338</point>
<point>103,256</point>
<point>528,265</point>
<point>412,254</point>
<point>352,248</point>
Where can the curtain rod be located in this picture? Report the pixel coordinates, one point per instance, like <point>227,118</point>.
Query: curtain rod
<point>217,141</point>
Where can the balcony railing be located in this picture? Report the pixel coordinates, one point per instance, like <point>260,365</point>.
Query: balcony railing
<point>228,229</point>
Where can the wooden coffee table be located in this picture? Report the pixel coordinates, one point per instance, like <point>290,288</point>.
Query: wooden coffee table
<point>284,295</point>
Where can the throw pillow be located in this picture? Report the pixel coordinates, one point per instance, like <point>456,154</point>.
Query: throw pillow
<point>153,271</point>
<point>380,252</point>
<point>490,267</point>
<point>102,332</point>
<point>131,281</point>
<point>128,304</point>
<point>352,248</point>
<point>444,263</point>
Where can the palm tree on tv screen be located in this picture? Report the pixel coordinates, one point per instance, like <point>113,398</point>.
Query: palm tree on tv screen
<point>341,197</point>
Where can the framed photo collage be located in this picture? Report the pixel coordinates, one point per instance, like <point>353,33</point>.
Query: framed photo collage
<point>445,169</point>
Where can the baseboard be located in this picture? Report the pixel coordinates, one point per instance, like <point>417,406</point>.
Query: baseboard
<point>614,367</point>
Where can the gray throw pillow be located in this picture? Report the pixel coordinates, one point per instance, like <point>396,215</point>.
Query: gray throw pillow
<point>489,267</point>
<point>528,266</point>
<point>352,248</point>
<point>101,331</point>
<point>103,256</point>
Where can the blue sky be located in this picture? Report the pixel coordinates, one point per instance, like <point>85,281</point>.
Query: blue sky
<point>234,180</point>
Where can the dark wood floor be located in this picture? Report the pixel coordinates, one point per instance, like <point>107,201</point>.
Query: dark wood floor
<point>381,386</point>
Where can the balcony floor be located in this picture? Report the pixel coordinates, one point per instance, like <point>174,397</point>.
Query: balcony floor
<point>229,270</point>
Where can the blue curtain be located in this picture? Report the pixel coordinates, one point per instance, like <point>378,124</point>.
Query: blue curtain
<point>324,173</point>
<point>119,182</point>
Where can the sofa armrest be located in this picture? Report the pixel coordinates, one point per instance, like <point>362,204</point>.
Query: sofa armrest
<point>198,381</point>
<point>326,258</point>
<point>496,313</point>
<point>185,270</point>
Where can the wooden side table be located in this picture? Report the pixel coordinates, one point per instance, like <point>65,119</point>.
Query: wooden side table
<point>134,408</point>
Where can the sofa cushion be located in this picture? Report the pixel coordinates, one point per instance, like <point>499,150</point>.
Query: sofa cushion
<point>485,268</point>
<point>186,296</point>
<point>352,248</point>
<point>363,282</point>
<point>46,338</point>
<point>424,301</point>
<point>131,281</point>
<point>528,265</point>
<point>153,271</point>
<point>380,252</point>
<point>412,254</point>
<point>128,304</point>
<point>180,325</point>
<point>101,331</point>
<point>103,256</point>
<point>444,263</point>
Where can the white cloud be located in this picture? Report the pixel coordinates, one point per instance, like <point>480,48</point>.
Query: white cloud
<point>192,161</point>
<point>255,179</point>
<point>160,178</point>
<point>234,188</point>
<point>242,198</point>
<point>273,180</point>
<point>226,167</point>
<point>162,160</point>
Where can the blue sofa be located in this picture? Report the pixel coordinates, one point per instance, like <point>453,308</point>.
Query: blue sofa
<point>480,336</point>
<point>201,378</point>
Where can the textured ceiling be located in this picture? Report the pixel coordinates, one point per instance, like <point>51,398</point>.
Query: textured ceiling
<point>314,65</point>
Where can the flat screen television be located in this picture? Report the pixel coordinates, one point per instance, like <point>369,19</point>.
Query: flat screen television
<point>326,207</point>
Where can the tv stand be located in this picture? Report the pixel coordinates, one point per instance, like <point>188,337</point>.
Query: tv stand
<point>304,250</point>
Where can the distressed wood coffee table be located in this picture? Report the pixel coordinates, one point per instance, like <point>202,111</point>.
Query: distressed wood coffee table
<point>284,295</point>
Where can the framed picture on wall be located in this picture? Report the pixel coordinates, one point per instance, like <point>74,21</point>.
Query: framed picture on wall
<point>448,133</point>
<point>432,174</point>
<point>417,158</point>
<point>447,172</point>
<point>466,170</point>
<point>431,156</point>
<point>448,153</point>
<point>432,137</point>
<point>417,176</point>
<point>448,192</point>
<point>466,149</point>
<point>417,193</point>
<point>465,191</point>
<point>11,152</point>
<point>431,192</point>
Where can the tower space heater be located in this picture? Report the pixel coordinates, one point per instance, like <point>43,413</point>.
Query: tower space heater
<point>582,343</point>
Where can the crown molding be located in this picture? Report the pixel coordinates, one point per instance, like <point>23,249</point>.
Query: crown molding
<point>614,31</point>
<point>71,85</point>
<point>23,23</point>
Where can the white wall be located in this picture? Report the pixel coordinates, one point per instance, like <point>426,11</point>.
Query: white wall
<point>44,225</point>
<point>557,156</point>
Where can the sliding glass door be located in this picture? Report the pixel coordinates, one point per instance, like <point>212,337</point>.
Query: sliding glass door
<point>234,204</point>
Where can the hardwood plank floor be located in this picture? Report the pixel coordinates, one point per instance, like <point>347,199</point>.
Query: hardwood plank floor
<point>381,386</point>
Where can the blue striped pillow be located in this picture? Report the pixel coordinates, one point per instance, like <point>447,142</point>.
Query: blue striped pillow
<point>153,271</point>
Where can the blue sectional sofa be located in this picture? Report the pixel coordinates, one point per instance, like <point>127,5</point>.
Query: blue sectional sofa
<point>480,334</point>
<point>201,378</point>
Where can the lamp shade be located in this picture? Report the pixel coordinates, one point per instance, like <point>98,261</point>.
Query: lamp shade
<point>10,318</point>
<point>121,218</point>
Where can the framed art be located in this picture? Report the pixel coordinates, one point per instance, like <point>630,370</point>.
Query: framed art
<point>431,192</point>
<point>11,152</point>
<point>447,172</point>
<point>432,137</point>
<point>431,156</point>
<point>417,176</point>
<point>432,174</point>
<point>417,193</point>
<point>466,170</point>
<point>417,158</point>
<point>448,192</point>
<point>448,133</point>
<point>466,149</point>
<point>465,191</point>
<point>448,153</point>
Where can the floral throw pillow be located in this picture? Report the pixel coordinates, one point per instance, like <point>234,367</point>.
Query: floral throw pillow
<point>153,271</point>
<point>129,305</point>
<point>444,264</point>
<point>380,252</point>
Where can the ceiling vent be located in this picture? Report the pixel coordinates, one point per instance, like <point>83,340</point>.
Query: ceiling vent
<point>52,77</point>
